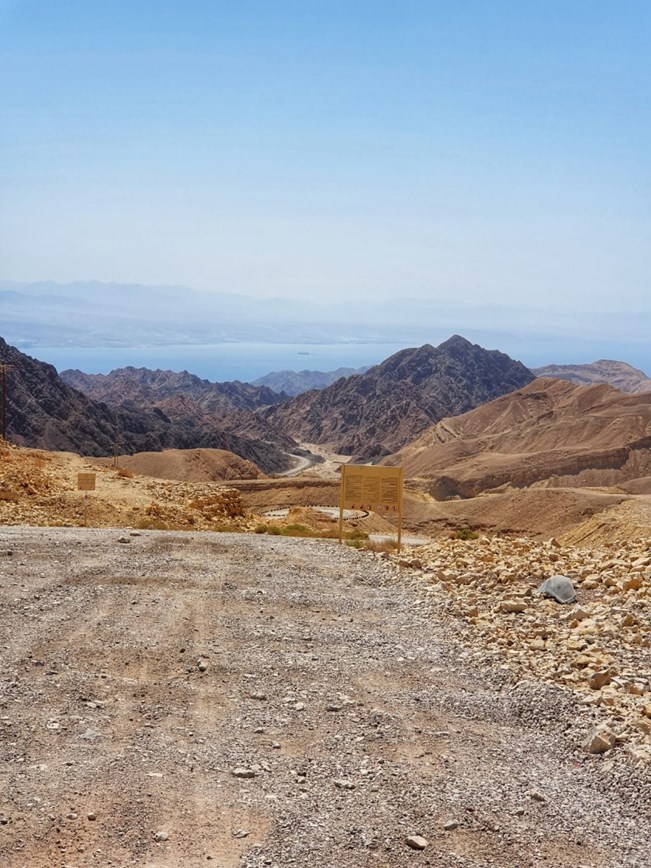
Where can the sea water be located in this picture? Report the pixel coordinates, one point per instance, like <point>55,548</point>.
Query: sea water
<point>218,362</point>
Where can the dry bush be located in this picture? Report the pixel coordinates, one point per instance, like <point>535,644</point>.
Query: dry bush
<point>465,533</point>
<point>125,473</point>
<point>9,495</point>
<point>386,545</point>
<point>355,537</point>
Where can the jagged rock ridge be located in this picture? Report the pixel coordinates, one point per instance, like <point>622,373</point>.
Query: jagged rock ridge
<point>143,386</point>
<point>188,400</point>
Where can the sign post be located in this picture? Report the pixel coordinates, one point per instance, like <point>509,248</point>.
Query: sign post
<point>86,483</point>
<point>374,488</point>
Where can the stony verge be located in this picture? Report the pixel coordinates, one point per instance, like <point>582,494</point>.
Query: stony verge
<point>600,647</point>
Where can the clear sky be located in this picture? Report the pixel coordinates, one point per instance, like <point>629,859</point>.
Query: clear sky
<point>454,149</point>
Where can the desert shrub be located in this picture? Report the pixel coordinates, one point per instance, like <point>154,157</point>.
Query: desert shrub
<point>300,530</point>
<point>385,545</point>
<point>9,495</point>
<point>355,543</point>
<point>125,473</point>
<point>305,532</point>
<point>356,534</point>
<point>465,533</point>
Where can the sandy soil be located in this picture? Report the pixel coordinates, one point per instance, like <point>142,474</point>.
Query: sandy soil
<point>188,699</point>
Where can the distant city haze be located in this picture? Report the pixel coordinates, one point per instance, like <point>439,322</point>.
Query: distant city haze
<point>485,158</point>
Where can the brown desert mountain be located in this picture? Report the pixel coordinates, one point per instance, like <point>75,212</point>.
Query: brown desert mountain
<point>622,376</point>
<point>373,414</point>
<point>45,412</point>
<point>550,433</point>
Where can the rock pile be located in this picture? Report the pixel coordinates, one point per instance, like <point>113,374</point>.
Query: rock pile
<point>599,646</point>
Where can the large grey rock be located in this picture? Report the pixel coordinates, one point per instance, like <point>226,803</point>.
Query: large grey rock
<point>560,588</point>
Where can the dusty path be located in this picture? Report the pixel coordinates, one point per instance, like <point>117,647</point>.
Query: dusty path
<point>332,685</point>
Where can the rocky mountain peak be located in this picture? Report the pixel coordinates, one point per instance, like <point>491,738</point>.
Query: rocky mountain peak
<point>375,413</point>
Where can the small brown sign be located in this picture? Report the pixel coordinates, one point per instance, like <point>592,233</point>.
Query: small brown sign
<point>86,481</point>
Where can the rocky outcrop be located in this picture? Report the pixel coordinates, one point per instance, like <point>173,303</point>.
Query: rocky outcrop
<point>550,433</point>
<point>45,412</point>
<point>622,376</point>
<point>374,414</point>
<point>141,386</point>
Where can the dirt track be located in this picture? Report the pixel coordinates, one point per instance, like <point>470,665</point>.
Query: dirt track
<point>334,685</point>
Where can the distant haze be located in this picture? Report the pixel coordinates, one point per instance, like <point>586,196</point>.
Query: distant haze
<point>97,327</point>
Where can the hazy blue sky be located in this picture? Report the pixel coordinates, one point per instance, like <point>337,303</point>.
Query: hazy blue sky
<point>461,149</point>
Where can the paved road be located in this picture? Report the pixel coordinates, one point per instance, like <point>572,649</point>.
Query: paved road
<point>303,462</point>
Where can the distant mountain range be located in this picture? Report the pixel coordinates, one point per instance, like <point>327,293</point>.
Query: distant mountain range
<point>295,382</point>
<point>480,419</point>
<point>95,314</point>
<point>624,377</point>
<point>373,414</point>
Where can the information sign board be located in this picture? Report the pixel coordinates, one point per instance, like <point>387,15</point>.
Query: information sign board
<point>373,488</point>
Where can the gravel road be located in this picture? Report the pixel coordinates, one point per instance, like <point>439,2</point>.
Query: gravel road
<point>241,700</point>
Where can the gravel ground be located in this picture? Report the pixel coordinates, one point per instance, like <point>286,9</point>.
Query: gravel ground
<point>242,700</point>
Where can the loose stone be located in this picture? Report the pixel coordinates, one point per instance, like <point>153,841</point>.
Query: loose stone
<point>416,842</point>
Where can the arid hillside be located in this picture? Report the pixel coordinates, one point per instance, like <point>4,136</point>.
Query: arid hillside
<point>550,433</point>
<point>188,465</point>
